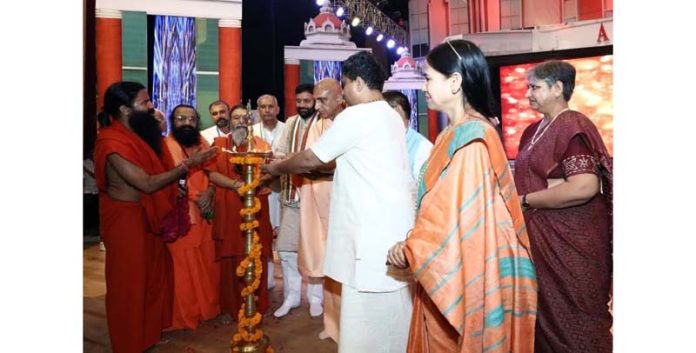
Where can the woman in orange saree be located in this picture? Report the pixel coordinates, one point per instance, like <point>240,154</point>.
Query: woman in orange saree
<point>469,250</point>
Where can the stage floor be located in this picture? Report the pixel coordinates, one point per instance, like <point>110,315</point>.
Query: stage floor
<point>296,332</point>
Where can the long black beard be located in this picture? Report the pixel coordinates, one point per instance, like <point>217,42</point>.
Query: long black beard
<point>147,127</point>
<point>187,136</point>
<point>305,112</point>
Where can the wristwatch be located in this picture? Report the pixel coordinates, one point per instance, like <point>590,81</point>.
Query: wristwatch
<point>524,202</point>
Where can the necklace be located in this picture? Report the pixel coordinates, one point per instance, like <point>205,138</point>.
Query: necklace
<point>536,138</point>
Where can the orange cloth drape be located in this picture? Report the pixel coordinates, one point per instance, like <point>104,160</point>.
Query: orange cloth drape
<point>196,273</point>
<point>315,197</point>
<point>469,250</point>
<point>229,239</point>
<point>138,271</point>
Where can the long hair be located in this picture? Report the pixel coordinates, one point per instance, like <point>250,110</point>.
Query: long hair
<point>118,94</point>
<point>464,57</point>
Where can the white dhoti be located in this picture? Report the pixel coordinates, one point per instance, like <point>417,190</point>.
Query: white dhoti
<point>374,322</point>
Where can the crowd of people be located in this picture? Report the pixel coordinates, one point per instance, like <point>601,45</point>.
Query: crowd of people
<point>405,245</point>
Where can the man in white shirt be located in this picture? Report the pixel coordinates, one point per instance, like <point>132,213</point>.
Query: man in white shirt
<point>371,207</point>
<point>220,112</point>
<point>270,129</point>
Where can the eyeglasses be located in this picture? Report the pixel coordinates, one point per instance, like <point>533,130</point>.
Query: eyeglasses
<point>182,118</point>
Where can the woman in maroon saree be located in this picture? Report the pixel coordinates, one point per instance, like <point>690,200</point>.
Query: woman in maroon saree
<point>564,174</point>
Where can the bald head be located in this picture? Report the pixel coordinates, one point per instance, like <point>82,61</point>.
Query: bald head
<point>328,96</point>
<point>268,108</point>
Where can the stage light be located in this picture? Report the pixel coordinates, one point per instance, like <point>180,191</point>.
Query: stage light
<point>390,43</point>
<point>369,30</point>
<point>355,22</point>
<point>320,2</point>
<point>339,11</point>
<point>380,37</point>
<point>400,50</point>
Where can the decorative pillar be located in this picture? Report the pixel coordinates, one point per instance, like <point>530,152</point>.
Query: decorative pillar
<point>291,75</point>
<point>433,129</point>
<point>108,48</point>
<point>230,60</point>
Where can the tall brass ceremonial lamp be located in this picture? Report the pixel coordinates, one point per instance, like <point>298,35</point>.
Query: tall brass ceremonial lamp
<point>249,338</point>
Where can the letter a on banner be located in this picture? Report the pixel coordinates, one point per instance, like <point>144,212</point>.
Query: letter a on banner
<point>602,36</point>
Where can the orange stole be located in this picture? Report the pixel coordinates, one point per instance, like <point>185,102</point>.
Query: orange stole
<point>315,197</point>
<point>229,240</point>
<point>196,274</point>
<point>469,250</point>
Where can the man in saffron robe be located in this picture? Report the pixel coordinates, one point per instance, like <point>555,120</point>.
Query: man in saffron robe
<point>135,175</point>
<point>229,239</point>
<point>196,273</point>
<point>315,197</point>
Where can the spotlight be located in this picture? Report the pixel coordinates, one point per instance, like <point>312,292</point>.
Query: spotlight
<point>321,2</point>
<point>390,43</point>
<point>339,11</point>
<point>355,22</point>
<point>380,37</point>
<point>400,50</point>
<point>368,31</point>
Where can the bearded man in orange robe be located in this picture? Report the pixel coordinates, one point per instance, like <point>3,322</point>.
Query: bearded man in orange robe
<point>135,175</point>
<point>229,239</point>
<point>196,273</point>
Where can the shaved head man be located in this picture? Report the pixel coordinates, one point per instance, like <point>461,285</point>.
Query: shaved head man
<point>328,97</point>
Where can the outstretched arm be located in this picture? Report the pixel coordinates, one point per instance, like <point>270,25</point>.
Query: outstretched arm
<point>224,181</point>
<point>146,183</point>
<point>300,163</point>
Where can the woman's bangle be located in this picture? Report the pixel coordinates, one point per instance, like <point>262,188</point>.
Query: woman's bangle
<point>524,201</point>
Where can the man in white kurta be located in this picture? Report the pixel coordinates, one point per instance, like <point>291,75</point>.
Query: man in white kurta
<point>269,129</point>
<point>371,207</point>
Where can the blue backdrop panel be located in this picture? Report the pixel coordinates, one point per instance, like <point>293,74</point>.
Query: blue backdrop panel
<point>174,63</point>
<point>324,69</point>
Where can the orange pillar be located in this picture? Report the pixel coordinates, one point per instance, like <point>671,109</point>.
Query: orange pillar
<point>291,75</point>
<point>432,125</point>
<point>438,21</point>
<point>230,60</point>
<point>108,46</point>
